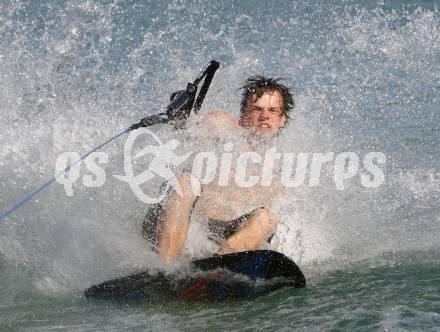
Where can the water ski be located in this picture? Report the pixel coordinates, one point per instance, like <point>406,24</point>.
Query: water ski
<point>227,277</point>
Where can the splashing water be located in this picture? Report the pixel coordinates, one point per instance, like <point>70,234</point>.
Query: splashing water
<point>366,78</point>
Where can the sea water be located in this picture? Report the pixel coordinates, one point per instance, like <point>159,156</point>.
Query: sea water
<point>366,78</point>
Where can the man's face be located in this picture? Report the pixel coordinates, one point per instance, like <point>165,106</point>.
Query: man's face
<point>265,115</point>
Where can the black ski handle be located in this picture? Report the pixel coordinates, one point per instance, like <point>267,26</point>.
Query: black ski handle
<point>209,73</point>
<point>183,102</point>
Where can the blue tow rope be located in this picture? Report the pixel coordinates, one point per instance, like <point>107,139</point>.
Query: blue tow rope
<point>46,184</point>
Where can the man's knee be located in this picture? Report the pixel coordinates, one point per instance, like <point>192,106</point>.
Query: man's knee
<point>268,220</point>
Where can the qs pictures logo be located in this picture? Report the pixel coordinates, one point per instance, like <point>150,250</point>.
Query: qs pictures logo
<point>291,169</point>
<point>163,157</point>
<point>162,161</point>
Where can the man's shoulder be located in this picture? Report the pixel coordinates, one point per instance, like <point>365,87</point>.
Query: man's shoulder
<point>220,120</point>
<point>223,118</point>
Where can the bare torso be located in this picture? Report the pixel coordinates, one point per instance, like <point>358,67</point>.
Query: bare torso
<point>231,202</point>
<point>228,202</point>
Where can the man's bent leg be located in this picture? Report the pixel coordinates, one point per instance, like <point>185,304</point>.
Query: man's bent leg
<point>176,221</point>
<point>260,225</point>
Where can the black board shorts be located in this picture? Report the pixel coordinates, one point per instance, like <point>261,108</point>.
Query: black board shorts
<point>220,230</point>
<point>225,229</point>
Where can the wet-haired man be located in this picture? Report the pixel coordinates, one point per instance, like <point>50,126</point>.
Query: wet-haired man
<point>240,217</point>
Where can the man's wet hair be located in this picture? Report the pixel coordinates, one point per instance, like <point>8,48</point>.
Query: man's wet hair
<point>258,85</point>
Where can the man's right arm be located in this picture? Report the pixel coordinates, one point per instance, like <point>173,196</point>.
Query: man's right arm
<point>177,219</point>
<point>179,209</point>
<point>215,123</point>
